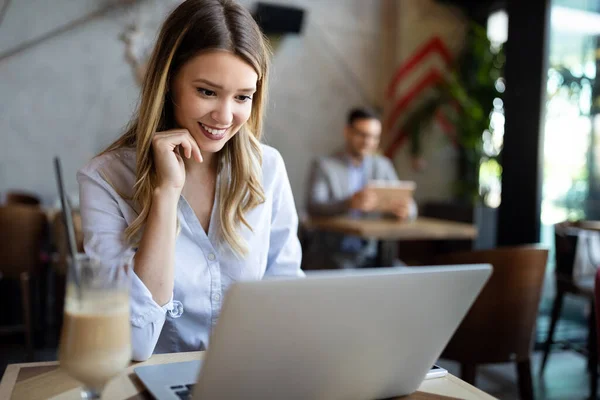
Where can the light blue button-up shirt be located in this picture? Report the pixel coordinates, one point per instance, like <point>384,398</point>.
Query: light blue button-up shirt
<point>357,180</point>
<point>204,265</point>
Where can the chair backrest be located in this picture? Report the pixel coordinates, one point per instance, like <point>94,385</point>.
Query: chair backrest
<point>499,327</point>
<point>22,198</point>
<point>565,244</point>
<point>22,233</point>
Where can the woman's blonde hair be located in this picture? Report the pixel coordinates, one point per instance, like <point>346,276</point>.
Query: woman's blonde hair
<point>193,27</point>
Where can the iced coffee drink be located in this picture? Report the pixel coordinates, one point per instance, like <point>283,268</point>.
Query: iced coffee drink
<point>95,342</point>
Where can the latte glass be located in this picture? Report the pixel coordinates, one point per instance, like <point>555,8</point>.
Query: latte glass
<point>95,342</point>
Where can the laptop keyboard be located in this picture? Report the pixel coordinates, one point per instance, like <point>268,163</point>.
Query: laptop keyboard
<point>184,392</point>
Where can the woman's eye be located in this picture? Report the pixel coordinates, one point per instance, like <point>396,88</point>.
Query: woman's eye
<point>206,92</point>
<point>244,98</point>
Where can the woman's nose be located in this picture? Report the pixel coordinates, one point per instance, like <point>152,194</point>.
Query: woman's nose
<point>222,114</point>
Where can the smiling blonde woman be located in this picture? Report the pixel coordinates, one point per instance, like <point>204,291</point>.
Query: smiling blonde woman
<point>188,190</point>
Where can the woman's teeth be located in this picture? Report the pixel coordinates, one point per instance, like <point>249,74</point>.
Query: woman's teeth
<point>216,132</point>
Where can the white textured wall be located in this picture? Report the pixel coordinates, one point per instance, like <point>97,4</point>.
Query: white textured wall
<point>68,96</point>
<point>71,95</point>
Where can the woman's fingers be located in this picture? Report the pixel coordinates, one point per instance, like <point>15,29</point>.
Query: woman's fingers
<point>196,149</point>
<point>183,139</point>
<point>185,145</point>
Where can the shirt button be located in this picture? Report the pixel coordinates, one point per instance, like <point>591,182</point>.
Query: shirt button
<point>211,257</point>
<point>217,297</point>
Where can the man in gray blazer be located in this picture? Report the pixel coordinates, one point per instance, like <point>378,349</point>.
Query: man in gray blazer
<point>337,187</point>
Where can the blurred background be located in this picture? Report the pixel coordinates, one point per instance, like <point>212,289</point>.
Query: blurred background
<point>491,107</point>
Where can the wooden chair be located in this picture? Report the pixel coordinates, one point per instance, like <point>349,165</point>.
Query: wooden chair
<point>500,325</point>
<point>565,239</point>
<point>22,233</point>
<point>425,252</point>
<point>22,198</point>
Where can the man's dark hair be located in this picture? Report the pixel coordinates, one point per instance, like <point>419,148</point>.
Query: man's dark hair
<point>361,113</point>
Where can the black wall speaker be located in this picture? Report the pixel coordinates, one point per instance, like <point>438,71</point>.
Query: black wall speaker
<point>277,19</point>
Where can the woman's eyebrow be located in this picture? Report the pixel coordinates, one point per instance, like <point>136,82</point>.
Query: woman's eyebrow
<point>216,86</point>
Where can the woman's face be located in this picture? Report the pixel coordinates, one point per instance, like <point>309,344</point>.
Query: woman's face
<point>212,97</point>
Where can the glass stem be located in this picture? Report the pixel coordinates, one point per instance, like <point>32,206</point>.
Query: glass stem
<point>89,394</point>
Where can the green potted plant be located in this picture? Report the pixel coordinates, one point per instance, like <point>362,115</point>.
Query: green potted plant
<point>470,98</point>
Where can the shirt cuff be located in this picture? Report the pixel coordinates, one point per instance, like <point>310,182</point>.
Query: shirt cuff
<point>144,309</point>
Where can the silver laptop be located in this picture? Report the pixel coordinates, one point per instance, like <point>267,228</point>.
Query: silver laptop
<point>349,334</point>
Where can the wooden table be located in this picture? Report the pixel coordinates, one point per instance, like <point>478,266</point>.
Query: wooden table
<point>46,380</point>
<point>391,229</point>
<point>388,230</point>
